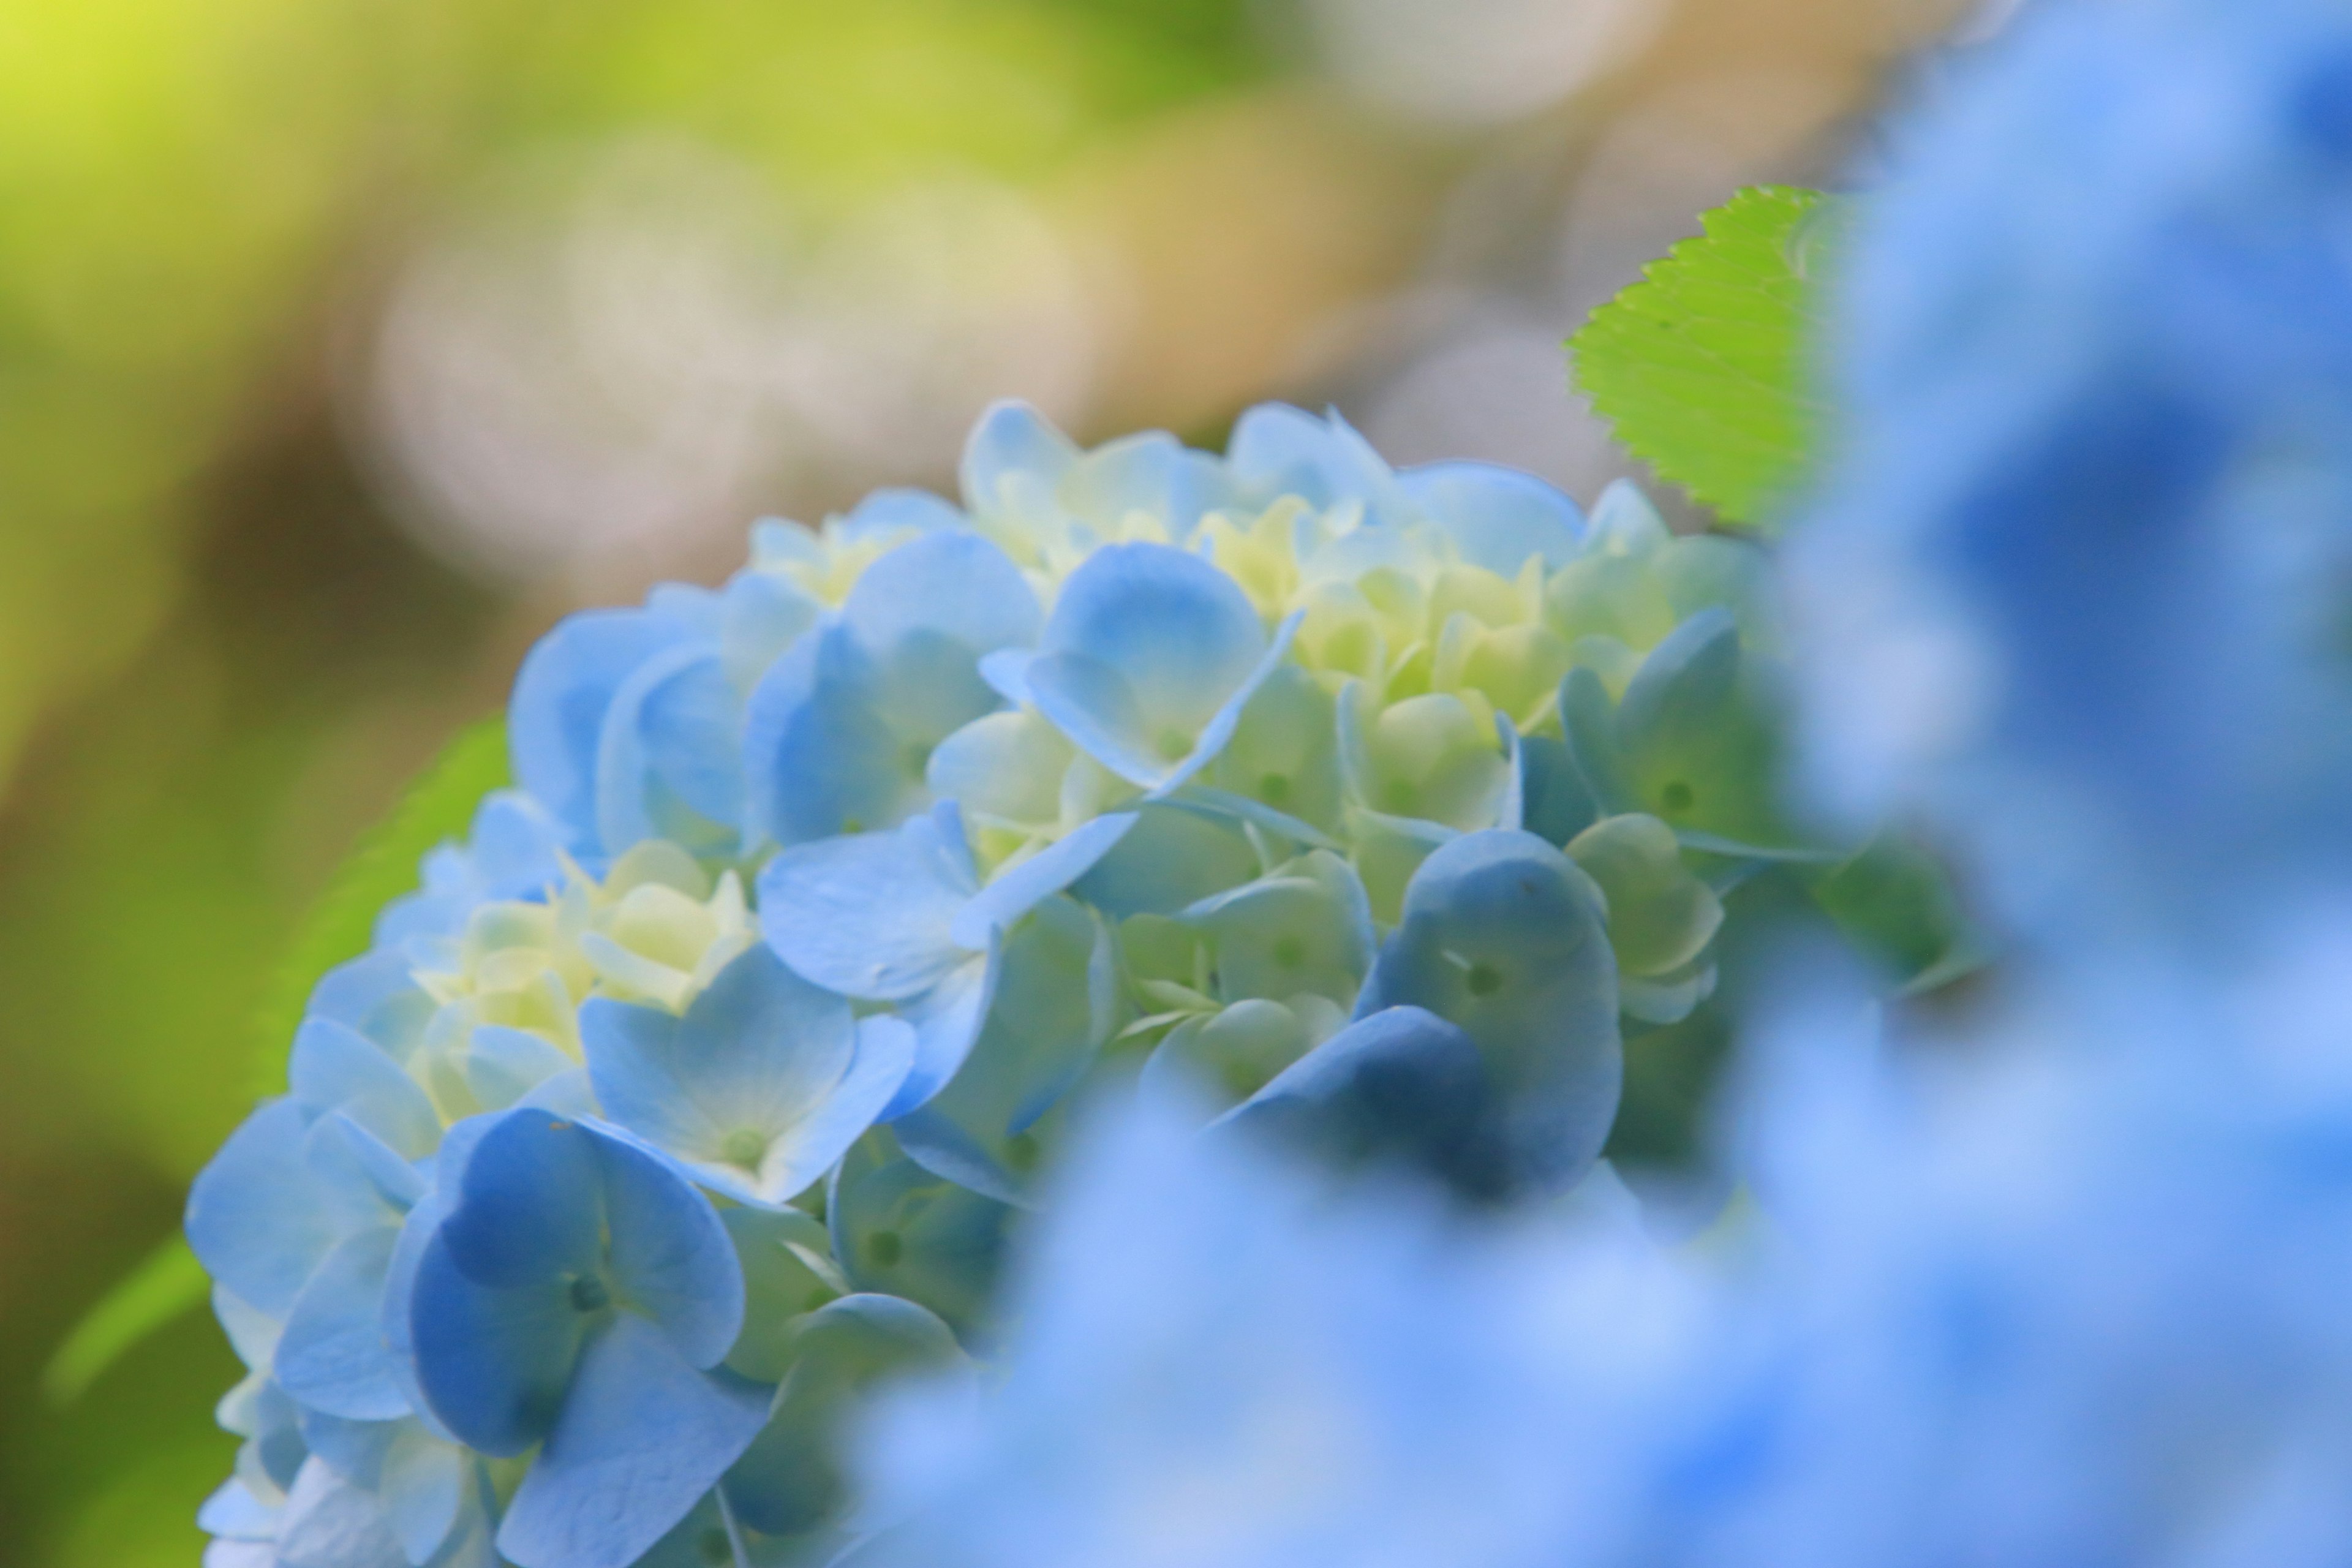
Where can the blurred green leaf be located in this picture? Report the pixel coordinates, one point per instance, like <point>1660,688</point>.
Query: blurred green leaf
<point>438,807</point>
<point>166,1283</point>
<point>1702,367</point>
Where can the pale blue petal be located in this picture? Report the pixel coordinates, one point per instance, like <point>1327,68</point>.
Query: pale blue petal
<point>424,1486</point>
<point>1498,518</point>
<point>333,1356</point>
<point>335,1068</point>
<point>368,1176</point>
<point>252,1217</point>
<point>1172,857</point>
<point>668,764</point>
<point>869,916</point>
<point>235,1511</point>
<point>555,721</point>
<point>1225,722</point>
<point>758,1051</point>
<point>820,756</point>
<point>1277,450</point>
<point>328,1522</point>
<point>1555,802</point>
<point>643,1434</point>
<point>1401,1084</point>
<point>375,993</point>
<point>502,1065</point>
<point>946,1020</point>
<point>1505,937</point>
<point>1012,440</point>
<point>1016,892</point>
<point>764,615</point>
<point>896,508</point>
<point>1148,472</point>
<point>955,589</point>
<point>1054,1006</point>
<point>1145,644</point>
<point>802,1153</point>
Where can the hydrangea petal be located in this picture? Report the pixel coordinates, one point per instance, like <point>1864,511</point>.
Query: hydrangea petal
<point>669,762</point>
<point>555,720</point>
<point>1504,937</point>
<point>870,915</point>
<point>641,1436</point>
<point>250,1218</point>
<point>1498,518</point>
<point>1402,1083</point>
<point>333,1356</point>
<point>1145,644</point>
<point>668,1253</point>
<point>335,1068</point>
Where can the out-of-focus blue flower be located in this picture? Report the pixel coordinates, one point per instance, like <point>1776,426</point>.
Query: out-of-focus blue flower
<point>2077,583</point>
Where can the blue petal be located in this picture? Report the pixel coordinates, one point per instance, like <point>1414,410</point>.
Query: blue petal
<point>669,1254</point>
<point>527,1207</point>
<point>763,1076</point>
<point>946,1020</point>
<point>351,1157</point>
<point>1498,518</point>
<point>490,1363</point>
<point>1145,644</point>
<point>1400,1084</point>
<point>252,1217</point>
<point>335,1068</point>
<point>898,507</point>
<point>328,1522</point>
<point>954,590</point>
<point>1011,442</point>
<point>1054,1007</point>
<point>1148,472</point>
<point>758,1049</point>
<point>870,915</point>
<point>1505,937</point>
<point>377,994</point>
<point>333,1356</point>
<point>668,764</point>
<point>555,721</point>
<point>641,1436</point>
<point>502,1065</point>
<point>427,1485</point>
<point>1277,450</point>
<point>819,757</point>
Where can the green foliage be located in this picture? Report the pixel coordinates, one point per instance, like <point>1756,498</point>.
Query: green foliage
<point>438,808</point>
<point>166,1283</point>
<point>1895,902</point>
<point>1702,367</point>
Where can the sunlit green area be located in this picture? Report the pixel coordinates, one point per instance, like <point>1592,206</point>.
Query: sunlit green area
<point>345,344</point>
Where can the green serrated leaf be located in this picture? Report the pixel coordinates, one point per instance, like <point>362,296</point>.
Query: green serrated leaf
<point>1703,367</point>
<point>167,1282</point>
<point>438,807</point>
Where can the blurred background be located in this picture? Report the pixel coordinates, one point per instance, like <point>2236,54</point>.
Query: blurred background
<point>346,343</point>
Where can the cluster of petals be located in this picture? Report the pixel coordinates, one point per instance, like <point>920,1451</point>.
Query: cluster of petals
<point>704,1084</point>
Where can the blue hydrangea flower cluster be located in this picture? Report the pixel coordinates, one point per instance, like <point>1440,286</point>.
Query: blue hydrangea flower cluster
<point>702,1087</point>
<point>2063,1277</point>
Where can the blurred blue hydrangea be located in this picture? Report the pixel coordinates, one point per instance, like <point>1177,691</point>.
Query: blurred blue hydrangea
<point>706,1084</point>
<point>2079,584</point>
